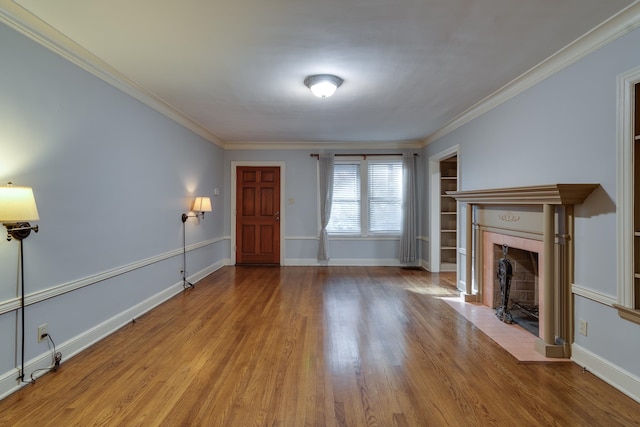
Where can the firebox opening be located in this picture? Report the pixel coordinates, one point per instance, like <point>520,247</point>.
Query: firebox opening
<point>523,301</point>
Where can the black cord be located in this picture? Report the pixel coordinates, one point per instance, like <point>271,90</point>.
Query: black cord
<point>56,357</point>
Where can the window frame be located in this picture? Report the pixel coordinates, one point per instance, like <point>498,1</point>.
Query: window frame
<point>363,162</point>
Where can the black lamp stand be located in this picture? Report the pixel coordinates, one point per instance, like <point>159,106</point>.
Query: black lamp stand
<point>21,231</point>
<point>185,283</point>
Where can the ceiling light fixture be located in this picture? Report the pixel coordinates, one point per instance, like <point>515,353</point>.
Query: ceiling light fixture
<point>323,85</point>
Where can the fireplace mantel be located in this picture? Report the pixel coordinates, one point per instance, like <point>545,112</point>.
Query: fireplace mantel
<point>554,204</point>
<point>553,194</point>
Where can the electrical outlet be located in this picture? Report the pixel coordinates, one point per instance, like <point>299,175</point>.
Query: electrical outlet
<point>42,330</point>
<point>582,327</point>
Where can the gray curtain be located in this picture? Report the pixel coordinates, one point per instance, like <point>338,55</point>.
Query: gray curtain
<point>408,237</point>
<point>325,166</point>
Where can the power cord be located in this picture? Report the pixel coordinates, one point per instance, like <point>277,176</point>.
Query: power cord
<point>56,358</point>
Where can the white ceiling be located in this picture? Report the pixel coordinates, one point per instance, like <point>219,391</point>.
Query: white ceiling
<point>237,67</point>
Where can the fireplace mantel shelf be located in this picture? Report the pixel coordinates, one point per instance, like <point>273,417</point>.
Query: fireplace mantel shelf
<point>553,194</point>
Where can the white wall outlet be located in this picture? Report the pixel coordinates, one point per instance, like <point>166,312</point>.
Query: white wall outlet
<point>42,330</point>
<point>582,327</point>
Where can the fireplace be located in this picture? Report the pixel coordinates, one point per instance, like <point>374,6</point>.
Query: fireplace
<point>537,219</point>
<point>524,255</point>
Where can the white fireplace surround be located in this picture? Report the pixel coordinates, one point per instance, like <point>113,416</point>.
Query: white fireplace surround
<point>536,218</point>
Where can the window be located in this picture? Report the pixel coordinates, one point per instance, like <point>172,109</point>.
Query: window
<point>367,197</point>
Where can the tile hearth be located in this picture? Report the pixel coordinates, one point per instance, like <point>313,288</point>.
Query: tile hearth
<point>513,338</point>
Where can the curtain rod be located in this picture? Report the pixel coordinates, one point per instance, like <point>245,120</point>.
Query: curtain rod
<point>317,156</point>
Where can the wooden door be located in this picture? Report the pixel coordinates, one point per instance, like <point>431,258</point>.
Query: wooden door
<point>258,215</point>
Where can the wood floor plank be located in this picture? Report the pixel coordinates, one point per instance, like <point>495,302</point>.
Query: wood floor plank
<point>307,346</point>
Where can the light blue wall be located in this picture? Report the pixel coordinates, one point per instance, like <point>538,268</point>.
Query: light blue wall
<point>563,130</point>
<point>111,178</point>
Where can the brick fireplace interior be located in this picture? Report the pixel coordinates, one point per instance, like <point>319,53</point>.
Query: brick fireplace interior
<point>524,255</point>
<point>523,301</point>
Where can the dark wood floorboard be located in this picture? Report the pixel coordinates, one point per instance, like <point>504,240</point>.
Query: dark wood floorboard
<point>306,346</point>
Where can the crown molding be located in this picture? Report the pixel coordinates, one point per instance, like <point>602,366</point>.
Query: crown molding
<point>317,145</point>
<point>39,31</point>
<point>613,28</point>
<point>42,33</point>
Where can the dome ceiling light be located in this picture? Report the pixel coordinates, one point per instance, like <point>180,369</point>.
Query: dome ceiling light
<point>323,85</point>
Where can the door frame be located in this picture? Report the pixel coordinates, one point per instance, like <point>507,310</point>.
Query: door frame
<point>434,209</point>
<point>234,177</point>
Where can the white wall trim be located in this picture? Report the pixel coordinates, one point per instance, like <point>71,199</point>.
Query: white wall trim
<point>369,238</point>
<point>617,377</point>
<point>316,145</point>
<point>37,30</point>
<point>347,238</point>
<point>593,295</point>
<point>613,28</point>
<point>73,346</point>
<point>54,291</point>
<point>312,262</point>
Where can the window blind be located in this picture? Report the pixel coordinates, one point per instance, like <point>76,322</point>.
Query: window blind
<point>345,208</point>
<point>385,196</point>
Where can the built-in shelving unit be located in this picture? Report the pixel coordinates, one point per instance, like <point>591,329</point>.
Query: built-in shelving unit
<point>448,214</point>
<point>636,200</point>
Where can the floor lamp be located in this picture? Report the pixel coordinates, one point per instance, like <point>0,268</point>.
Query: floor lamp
<point>17,207</point>
<point>200,206</point>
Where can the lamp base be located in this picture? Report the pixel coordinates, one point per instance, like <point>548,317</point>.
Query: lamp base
<point>19,230</point>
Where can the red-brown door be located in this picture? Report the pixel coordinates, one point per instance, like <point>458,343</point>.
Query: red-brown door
<point>258,215</point>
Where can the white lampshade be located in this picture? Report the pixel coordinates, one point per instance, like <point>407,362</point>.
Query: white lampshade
<point>202,204</point>
<point>17,204</point>
<point>323,85</point>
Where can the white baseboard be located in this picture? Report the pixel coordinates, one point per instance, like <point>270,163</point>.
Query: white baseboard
<point>312,262</point>
<point>613,375</point>
<point>8,381</point>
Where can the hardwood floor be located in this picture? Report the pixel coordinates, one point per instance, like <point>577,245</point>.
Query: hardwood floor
<point>296,346</point>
